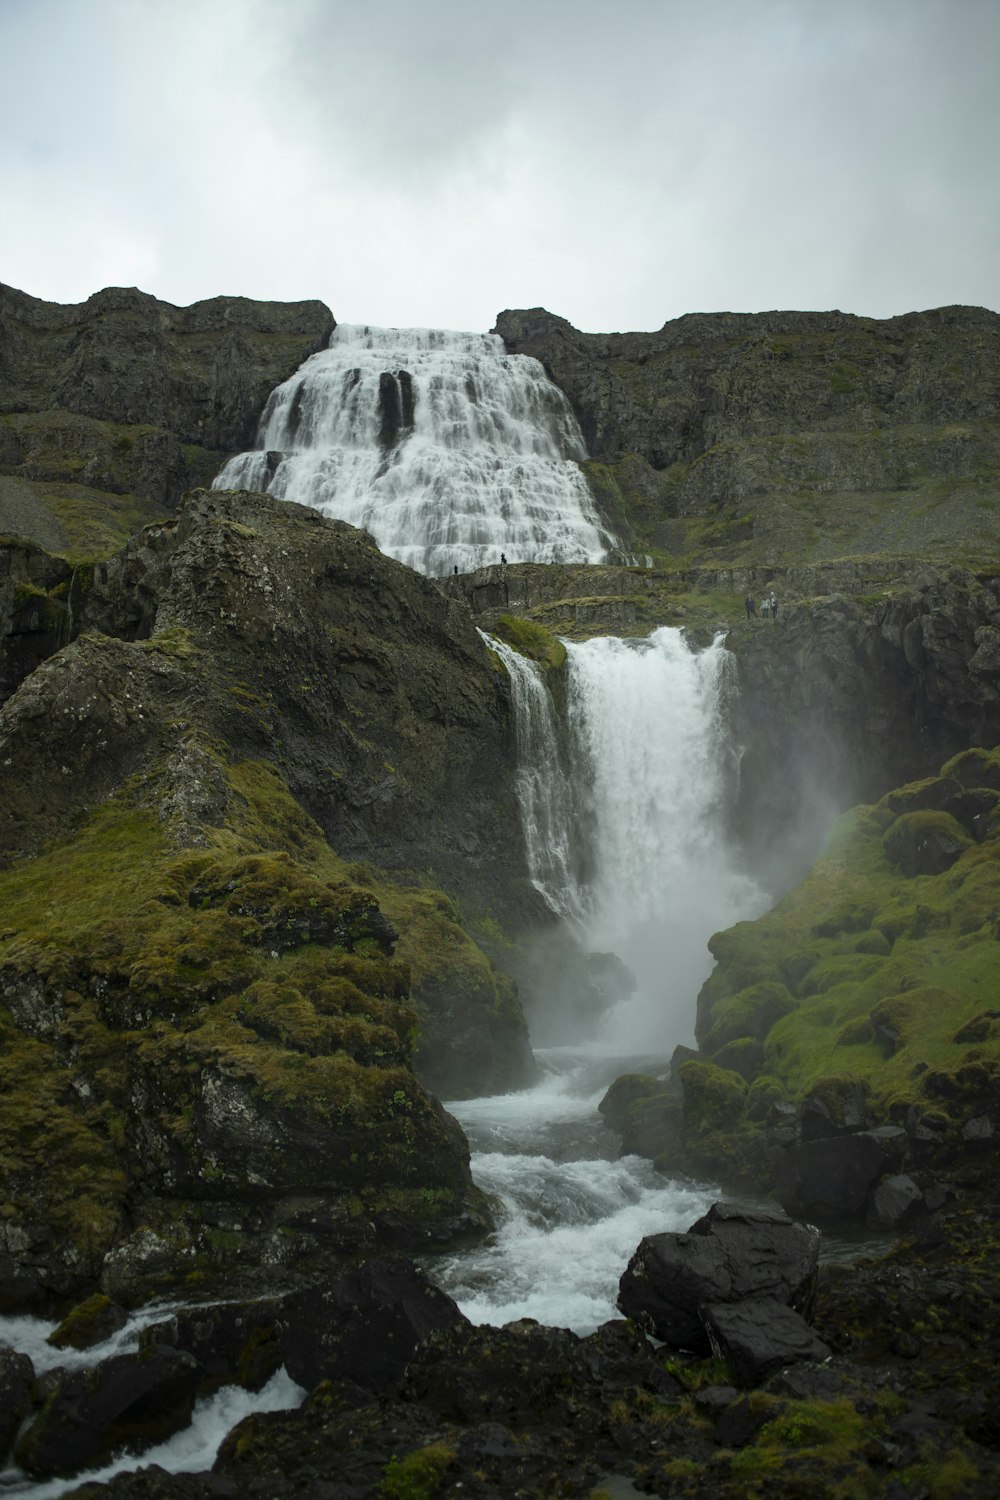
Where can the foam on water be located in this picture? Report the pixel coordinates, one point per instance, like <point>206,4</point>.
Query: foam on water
<point>572,1212</point>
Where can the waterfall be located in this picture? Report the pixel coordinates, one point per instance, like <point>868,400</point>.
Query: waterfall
<point>451,452</point>
<point>623,826</point>
<point>544,793</point>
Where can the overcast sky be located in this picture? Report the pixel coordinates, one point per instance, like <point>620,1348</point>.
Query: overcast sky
<point>620,162</point>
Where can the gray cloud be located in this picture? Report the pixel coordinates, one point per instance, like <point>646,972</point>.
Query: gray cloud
<point>619,163</point>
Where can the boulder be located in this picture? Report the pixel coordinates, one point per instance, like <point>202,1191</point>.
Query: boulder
<point>90,1322</point>
<point>728,1255</point>
<point>17,1378</point>
<point>830,1179</point>
<point>760,1335</point>
<point>234,1342</point>
<point>362,1327</point>
<point>129,1401</point>
<point>896,1199</point>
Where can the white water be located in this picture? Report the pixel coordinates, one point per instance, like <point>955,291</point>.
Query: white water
<point>571,1210</point>
<point>546,797</point>
<point>486,468</point>
<point>623,822</point>
<point>190,1451</point>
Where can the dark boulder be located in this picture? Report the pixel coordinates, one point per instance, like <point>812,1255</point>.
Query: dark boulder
<point>728,1255</point>
<point>897,1199</point>
<point>760,1335</point>
<point>17,1378</point>
<point>362,1327</point>
<point>129,1401</point>
<point>235,1343</point>
<point>90,1322</point>
<point>830,1179</point>
<point>527,1374</point>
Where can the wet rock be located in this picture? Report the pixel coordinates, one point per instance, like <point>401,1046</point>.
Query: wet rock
<point>364,1326</point>
<point>728,1255</point>
<point>759,1335</point>
<point>90,1323</point>
<point>235,1343</point>
<point>896,1198</point>
<point>17,1377</point>
<point>829,1180</point>
<point>130,1400</point>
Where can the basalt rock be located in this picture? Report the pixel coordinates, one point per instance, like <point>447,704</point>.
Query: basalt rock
<point>17,1380</point>
<point>727,1256</point>
<point>362,1327</point>
<point>768,435</point>
<point>125,394</point>
<point>129,1400</point>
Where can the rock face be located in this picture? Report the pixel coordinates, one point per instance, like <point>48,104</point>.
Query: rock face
<point>131,1400</point>
<point>786,432</point>
<point>127,395</point>
<point>845,698</point>
<point>251,678</point>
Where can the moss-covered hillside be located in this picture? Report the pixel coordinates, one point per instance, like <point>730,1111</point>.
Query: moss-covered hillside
<point>215,1012</point>
<point>866,998</point>
<point>207,1058</point>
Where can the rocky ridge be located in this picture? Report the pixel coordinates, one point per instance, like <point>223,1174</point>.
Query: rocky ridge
<point>771,438</point>
<point>111,408</point>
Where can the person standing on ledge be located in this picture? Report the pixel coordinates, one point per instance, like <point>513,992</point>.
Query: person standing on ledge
<point>750,605</point>
<point>773,603</point>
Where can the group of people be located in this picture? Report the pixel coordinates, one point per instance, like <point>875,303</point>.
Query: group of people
<point>768,606</point>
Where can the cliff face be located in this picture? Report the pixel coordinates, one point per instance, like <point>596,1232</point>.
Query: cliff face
<point>129,397</point>
<point>216,1000</point>
<point>780,437</point>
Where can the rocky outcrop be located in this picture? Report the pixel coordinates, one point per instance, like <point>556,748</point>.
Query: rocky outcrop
<point>125,395</point>
<point>769,435</point>
<point>845,697</point>
<point>223,1036</point>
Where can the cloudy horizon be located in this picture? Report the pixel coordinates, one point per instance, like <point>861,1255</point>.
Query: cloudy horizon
<point>621,164</point>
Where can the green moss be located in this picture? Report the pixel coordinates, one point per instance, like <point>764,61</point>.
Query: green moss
<point>887,972</point>
<point>531,640</point>
<point>418,1476</point>
<point>713,1097</point>
<point>263,968</point>
<point>84,1325</point>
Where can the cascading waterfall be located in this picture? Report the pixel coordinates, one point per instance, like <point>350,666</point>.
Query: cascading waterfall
<point>544,791</point>
<point>622,827</point>
<point>649,763</point>
<point>622,818</point>
<point>453,453</point>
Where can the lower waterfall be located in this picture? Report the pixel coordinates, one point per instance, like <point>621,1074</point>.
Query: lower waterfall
<point>622,810</point>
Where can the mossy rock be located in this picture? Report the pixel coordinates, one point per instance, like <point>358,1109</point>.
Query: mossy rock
<point>713,1097</point>
<point>532,640</point>
<point>975,768</point>
<point>90,1322</point>
<point>744,1055</point>
<point>925,843</point>
<point>750,1014</point>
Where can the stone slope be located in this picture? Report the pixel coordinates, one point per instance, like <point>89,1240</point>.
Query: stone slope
<point>777,437</point>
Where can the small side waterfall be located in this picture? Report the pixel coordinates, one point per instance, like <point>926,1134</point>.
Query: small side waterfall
<point>451,452</point>
<point>544,793</point>
<point>623,823</point>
